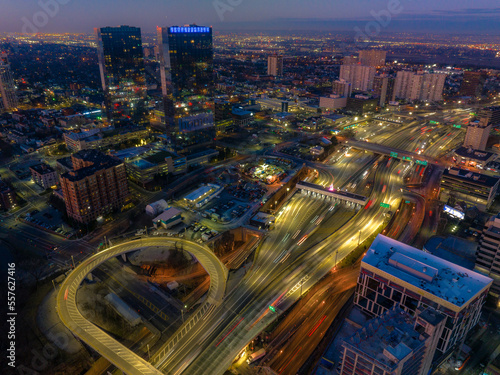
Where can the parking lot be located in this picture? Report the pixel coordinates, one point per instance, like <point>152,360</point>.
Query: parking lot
<point>49,219</point>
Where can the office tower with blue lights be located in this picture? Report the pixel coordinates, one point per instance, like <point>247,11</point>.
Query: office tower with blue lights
<point>121,63</point>
<point>187,75</point>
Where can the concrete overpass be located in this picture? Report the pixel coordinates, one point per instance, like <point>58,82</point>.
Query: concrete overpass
<point>334,194</point>
<point>389,151</point>
<point>104,344</point>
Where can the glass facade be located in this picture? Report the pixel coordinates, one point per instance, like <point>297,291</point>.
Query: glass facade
<point>186,61</point>
<point>8,97</point>
<point>121,63</point>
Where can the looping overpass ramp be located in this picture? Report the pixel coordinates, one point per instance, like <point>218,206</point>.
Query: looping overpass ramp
<point>104,344</point>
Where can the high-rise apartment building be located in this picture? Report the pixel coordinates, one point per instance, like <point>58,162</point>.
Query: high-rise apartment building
<point>8,96</point>
<point>383,88</point>
<point>342,88</point>
<point>490,114</point>
<point>187,76</point>
<point>488,253</point>
<point>473,83</point>
<point>360,76</point>
<point>396,273</point>
<point>96,185</point>
<point>275,65</point>
<point>419,86</point>
<point>121,63</point>
<point>432,87</point>
<point>394,343</point>
<point>372,57</point>
<point>478,133</point>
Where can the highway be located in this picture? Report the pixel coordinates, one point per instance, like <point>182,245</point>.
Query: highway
<point>100,341</point>
<point>277,282</point>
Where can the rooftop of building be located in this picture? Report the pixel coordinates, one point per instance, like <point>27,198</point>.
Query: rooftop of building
<point>42,168</point>
<point>66,162</point>
<point>453,249</point>
<point>469,153</point>
<point>472,177</point>
<point>441,278</point>
<point>100,161</point>
<point>159,156</point>
<point>388,339</point>
<point>167,215</point>
<point>202,153</point>
<point>198,193</point>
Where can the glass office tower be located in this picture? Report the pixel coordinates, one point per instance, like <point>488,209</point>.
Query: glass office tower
<point>121,63</point>
<point>8,97</point>
<point>186,62</point>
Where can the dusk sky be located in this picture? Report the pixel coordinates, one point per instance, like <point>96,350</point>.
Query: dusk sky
<point>84,15</point>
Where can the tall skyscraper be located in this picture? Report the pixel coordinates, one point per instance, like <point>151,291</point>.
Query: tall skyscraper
<point>186,63</point>
<point>372,57</point>
<point>419,86</point>
<point>383,88</point>
<point>360,76</point>
<point>121,63</point>
<point>473,83</point>
<point>8,97</point>
<point>275,65</point>
<point>95,186</point>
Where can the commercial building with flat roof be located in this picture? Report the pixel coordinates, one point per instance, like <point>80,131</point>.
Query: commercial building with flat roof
<point>396,343</point>
<point>396,273</point>
<point>475,189</point>
<point>473,158</point>
<point>168,218</point>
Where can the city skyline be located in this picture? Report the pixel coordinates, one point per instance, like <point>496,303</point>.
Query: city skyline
<point>250,187</point>
<point>426,16</point>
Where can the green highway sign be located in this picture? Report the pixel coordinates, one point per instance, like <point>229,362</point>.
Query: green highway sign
<point>407,202</point>
<point>457,126</point>
<point>394,154</point>
<point>385,205</point>
<point>421,162</point>
<point>407,158</point>
<point>272,308</point>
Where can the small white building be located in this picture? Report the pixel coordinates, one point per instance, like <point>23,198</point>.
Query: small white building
<point>168,218</point>
<point>156,208</point>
